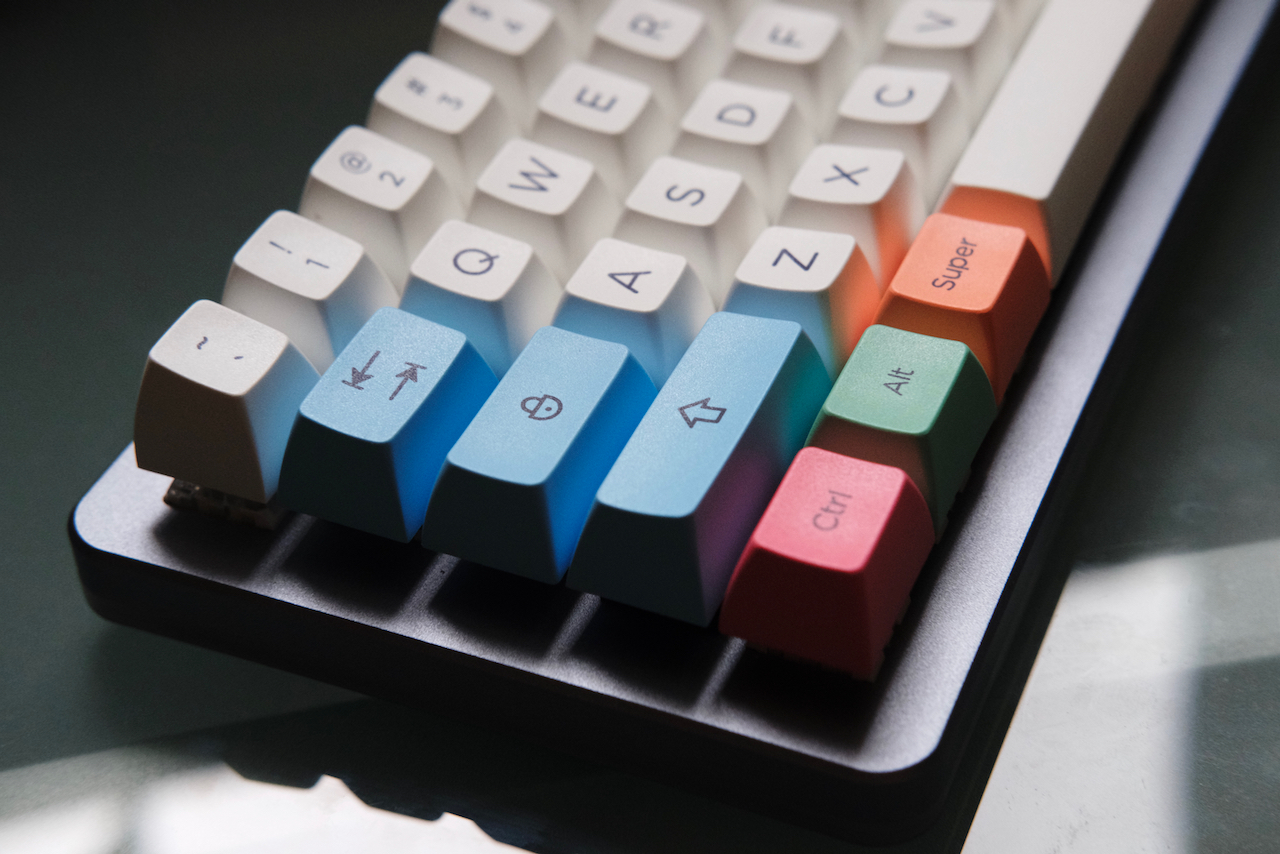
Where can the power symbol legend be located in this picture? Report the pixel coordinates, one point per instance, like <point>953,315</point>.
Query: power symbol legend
<point>542,408</point>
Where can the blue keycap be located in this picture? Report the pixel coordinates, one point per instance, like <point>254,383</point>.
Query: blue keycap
<point>677,508</point>
<point>370,438</point>
<point>516,488</point>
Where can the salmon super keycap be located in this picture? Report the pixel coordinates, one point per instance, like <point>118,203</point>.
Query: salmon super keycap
<point>974,282</point>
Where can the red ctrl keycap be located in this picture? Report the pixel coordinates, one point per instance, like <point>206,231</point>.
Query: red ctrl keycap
<point>827,571</point>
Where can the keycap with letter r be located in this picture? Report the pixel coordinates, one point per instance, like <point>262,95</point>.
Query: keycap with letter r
<point>370,438</point>
<point>677,507</point>
<point>516,488</point>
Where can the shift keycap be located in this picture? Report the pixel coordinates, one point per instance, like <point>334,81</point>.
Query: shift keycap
<point>829,569</point>
<point>370,438</point>
<point>516,488</point>
<point>676,509</point>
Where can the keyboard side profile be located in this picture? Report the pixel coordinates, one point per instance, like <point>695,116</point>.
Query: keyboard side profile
<point>685,702</point>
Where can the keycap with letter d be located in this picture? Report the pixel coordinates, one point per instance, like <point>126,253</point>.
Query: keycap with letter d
<point>369,439</point>
<point>678,506</point>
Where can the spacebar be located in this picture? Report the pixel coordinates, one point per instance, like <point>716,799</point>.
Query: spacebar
<point>1047,142</point>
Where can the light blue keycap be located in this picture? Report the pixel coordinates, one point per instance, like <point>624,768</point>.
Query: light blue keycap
<point>370,438</point>
<point>677,508</point>
<point>516,488</point>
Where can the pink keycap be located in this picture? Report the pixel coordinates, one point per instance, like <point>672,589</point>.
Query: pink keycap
<point>828,570</point>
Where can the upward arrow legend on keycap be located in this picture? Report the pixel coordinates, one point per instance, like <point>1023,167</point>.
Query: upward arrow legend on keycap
<point>359,375</point>
<point>409,374</point>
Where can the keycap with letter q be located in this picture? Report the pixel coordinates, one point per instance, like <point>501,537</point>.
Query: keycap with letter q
<point>516,488</point>
<point>677,507</point>
<point>490,287</point>
<point>370,438</point>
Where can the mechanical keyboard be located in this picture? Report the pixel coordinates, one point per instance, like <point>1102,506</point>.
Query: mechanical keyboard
<point>602,306</point>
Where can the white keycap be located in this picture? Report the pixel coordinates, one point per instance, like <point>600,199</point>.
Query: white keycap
<point>755,132</point>
<point>819,279</point>
<point>1021,15</point>
<point>447,114</point>
<point>516,45</point>
<point>217,402</point>
<point>490,287</point>
<point>915,110</point>
<point>666,45</point>
<point>648,300</point>
<point>803,51</point>
<point>866,192</point>
<point>708,215</point>
<point>1052,133</point>
<point>863,21</point>
<point>605,117</point>
<point>388,197</point>
<point>552,200</point>
<point>311,283</point>
<point>966,38</point>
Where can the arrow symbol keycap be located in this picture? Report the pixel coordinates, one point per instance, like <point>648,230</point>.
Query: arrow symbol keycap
<point>362,375</point>
<point>410,375</point>
<point>705,405</point>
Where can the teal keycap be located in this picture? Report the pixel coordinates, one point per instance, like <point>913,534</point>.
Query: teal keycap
<point>370,438</point>
<point>516,488</point>
<point>919,403</point>
<point>677,508</point>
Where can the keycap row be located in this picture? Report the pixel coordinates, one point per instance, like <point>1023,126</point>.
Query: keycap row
<point>570,462</point>
<point>810,49</point>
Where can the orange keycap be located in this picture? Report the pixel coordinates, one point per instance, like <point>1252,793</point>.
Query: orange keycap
<point>974,282</point>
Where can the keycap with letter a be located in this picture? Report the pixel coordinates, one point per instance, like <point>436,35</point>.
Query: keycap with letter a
<point>370,438</point>
<point>675,511</point>
<point>517,486</point>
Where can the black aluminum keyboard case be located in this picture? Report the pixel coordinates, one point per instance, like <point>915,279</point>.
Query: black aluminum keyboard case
<point>869,762</point>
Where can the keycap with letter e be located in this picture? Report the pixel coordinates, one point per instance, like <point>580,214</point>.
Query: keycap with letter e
<point>516,488</point>
<point>677,507</point>
<point>370,438</point>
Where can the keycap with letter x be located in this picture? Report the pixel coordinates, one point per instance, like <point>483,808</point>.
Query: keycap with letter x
<point>675,511</point>
<point>370,438</point>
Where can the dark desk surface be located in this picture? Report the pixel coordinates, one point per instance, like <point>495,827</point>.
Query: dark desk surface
<point>141,147</point>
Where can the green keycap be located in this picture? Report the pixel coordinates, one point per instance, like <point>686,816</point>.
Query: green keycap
<point>913,401</point>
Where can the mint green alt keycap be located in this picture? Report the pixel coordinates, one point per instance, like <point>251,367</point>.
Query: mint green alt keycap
<point>919,403</point>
